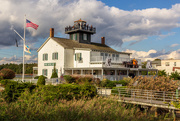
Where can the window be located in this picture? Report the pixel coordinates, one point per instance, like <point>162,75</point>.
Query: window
<point>73,36</point>
<point>55,56</point>
<point>45,57</point>
<point>44,72</point>
<point>78,56</point>
<point>113,55</point>
<point>117,55</point>
<point>174,63</point>
<point>106,54</point>
<point>84,36</point>
<point>167,63</point>
<point>102,54</point>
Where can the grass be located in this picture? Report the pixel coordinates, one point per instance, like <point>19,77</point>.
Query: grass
<point>95,109</point>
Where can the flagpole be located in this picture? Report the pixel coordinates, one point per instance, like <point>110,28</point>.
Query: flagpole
<point>24,46</point>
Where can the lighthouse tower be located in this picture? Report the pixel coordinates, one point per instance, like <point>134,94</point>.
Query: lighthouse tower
<point>80,31</point>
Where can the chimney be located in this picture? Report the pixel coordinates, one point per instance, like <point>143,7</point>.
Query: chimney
<point>103,40</point>
<point>51,32</point>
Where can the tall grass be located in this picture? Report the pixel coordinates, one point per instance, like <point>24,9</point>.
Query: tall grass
<point>96,109</point>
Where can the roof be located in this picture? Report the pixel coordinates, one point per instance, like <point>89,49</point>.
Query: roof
<point>80,20</point>
<point>72,44</point>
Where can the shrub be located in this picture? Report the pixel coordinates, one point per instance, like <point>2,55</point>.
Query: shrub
<point>162,73</point>
<point>14,89</point>
<point>41,80</point>
<point>50,93</point>
<point>69,79</point>
<point>108,83</point>
<point>175,75</point>
<point>151,83</point>
<point>123,82</point>
<point>7,73</point>
<point>37,77</point>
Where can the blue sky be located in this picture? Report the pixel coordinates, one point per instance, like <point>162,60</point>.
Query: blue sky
<point>149,29</point>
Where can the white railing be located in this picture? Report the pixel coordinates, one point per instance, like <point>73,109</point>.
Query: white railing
<point>140,95</point>
<point>48,81</point>
<point>110,77</point>
<point>113,59</point>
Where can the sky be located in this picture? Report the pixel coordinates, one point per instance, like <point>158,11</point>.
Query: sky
<point>148,29</point>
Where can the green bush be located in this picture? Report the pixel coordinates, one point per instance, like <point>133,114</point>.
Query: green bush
<point>115,89</point>
<point>7,73</point>
<point>175,75</point>
<point>69,79</point>
<point>162,73</point>
<point>49,93</point>
<point>108,83</point>
<point>37,77</point>
<point>41,80</point>
<point>14,89</point>
<point>123,82</point>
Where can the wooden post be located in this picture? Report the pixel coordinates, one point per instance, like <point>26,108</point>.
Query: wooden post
<point>164,96</point>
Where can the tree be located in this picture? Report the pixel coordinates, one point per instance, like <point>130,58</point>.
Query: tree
<point>54,74</point>
<point>7,73</point>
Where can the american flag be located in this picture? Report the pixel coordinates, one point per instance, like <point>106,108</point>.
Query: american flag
<point>31,24</point>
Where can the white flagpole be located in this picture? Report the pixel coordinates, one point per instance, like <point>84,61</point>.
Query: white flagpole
<point>24,46</point>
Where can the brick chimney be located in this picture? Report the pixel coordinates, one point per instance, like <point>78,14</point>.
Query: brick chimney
<point>103,40</point>
<point>51,32</point>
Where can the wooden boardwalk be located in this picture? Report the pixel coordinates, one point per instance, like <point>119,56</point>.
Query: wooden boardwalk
<point>152,98</point>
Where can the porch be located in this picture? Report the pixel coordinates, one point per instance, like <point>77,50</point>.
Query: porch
<point>110,73</point>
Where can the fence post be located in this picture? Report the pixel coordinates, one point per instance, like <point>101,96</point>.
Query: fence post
<point>105,91</point>
<point>177,94</point>
<point>164,96</point>
<point>134,95</point>
<point>172,97</point>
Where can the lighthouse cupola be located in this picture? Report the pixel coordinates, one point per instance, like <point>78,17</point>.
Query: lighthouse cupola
<point>80,31</point>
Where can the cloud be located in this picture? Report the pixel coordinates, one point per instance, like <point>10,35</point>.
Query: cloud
<point>117,25</point>
<point>18,60</point>
<point>154,54</point>
<point>174,45</point>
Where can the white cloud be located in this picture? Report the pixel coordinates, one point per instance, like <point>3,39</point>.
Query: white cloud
<point>153,54</point>
<point>18,60</point>
<point>115,24</point>
<point>174,45</point>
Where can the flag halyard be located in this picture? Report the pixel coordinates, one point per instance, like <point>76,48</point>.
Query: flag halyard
<point>31,24</point>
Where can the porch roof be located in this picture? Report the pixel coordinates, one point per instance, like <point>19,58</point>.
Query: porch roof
<point>107,68</point>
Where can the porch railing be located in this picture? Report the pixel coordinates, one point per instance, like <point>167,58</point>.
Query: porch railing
<point>113,59</point>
